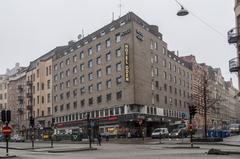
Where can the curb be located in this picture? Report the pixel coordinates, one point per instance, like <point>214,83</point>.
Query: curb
<point>29,148</point>
<point>71,150</point>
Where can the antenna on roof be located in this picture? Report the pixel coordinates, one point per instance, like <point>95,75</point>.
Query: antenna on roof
<point>120,8</point>
<point>112,16</point>
<point>83,33</point>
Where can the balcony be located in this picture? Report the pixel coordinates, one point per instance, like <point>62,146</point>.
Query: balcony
<point>20,88</point>
<point>29,95</point>
<point>29,107</point>
<point>234,65</point>
<point>20,110</point>
<point>29,83</point>
<point>20,98</point>
<point>233,35</point>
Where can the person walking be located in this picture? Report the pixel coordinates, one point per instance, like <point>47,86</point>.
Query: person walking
<point>99,139</point>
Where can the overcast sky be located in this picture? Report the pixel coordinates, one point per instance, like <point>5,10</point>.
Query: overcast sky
<point>30,28</point>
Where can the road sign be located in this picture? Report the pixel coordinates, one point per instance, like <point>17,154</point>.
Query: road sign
<point>7,130</point>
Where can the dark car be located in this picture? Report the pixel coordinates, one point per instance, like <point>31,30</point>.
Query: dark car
<point>179,133</point>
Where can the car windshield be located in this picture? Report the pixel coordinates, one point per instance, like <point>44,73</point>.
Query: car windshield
<point>175,130</point>
<point>157,130</point>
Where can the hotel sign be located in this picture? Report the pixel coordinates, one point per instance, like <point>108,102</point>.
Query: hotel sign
<point>126,59</point>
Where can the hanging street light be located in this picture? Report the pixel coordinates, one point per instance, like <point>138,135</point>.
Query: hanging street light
<point>182,11</point>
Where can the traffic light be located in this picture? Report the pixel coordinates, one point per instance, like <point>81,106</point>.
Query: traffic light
<point>8,118</point>
<point>3,114</point>
<point>32,123</point>
<point>192,110</point>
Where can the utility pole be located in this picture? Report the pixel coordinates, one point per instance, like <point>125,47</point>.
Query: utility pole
<point>30,108</point>
<point>205,104</point>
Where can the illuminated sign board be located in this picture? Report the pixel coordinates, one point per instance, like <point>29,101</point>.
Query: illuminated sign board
<point>126,59</point>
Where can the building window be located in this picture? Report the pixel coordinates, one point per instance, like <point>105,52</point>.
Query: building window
<point>61,64</point>
<point>48,98</point>
<point>155,45</point>
<point>67,61</point>
<point>55,77</point>
<point>99,99</point>
<point>55,67</point>
<point>90,76</point>
<point>118,38</point>
<point>99,86</point>
<point>90,88</point>
<point>109,83</point>
<point>90,64</point>
<point>42,99</point>
<point>156,84</point>
<point>61,108</point>
<point>119,95</point>
<point>48,84</point>
<point>108,56</point>
<point>165,100</point>
<point>67,72</point>
<point>75,93</point>
<point>165,75</point>
<point>68,95</point>
<point>119,80</point>
<point>90,101</point>
<point>68,106</point>
<point>164,63</point>
<point>99,60</point>
<point>98,47</point>
<point>82,103</point>
<point>170,89</point>
<point>61,96</point>
<point>90,51</point>
<point>109,97</point>
<point>42,86</point>
<point>75,69</point>
<point>56,108</point>
<point>61,86</point>
<point>82,79</point>
<point>82,90</point>
<point>99,73</point>
<point>46,71</point>
<point>151,44</point>
<point>108,43</point>
<point>37,73</point>
<point>74,58</point>
<point>75,81</point>
<point>67,84</point>
<point>108,70</point>
<point>156,58</point>
<point>165,87</point>
<point>75,105</point>
<point>118,52</point>
<point>106,112</point>
<point>81,55</point>
<point>49,111</point>
<point>170,65</point>
<point>156,71</point>
<point>157,98</point>
<point>118,67</point>
<point>61,75</point>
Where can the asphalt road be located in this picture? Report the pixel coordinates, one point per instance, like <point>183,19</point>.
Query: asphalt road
<point>119,151</point>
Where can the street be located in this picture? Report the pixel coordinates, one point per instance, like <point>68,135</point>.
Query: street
<point>151,150</point>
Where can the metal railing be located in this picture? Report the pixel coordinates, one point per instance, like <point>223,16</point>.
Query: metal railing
<point>234,65</point>
<point>233,35</point>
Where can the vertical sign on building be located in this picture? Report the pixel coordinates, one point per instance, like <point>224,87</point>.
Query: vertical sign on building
<point>126,59</point>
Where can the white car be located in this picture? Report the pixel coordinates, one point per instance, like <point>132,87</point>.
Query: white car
<point>160,132</point>
<point>17,138</point>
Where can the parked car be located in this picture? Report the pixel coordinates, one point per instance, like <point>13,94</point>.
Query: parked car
<point>234,128</point>
<point>179,133</point>
<point>1,138</point>
<point>160,132</point>
<point>17,138</point>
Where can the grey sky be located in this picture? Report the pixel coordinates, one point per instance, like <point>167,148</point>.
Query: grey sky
<point>30,28</point>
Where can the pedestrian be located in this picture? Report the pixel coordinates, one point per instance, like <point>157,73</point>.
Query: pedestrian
<point>99,139</point>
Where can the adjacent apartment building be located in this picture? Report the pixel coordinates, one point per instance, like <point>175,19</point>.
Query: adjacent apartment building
<point>39,90</point>
<point>124,77</point>
<point>17,101</point>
